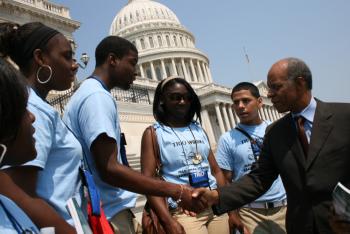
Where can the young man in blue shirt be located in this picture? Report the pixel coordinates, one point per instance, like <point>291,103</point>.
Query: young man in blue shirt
<point>237,151</point>
<point>92,114</point>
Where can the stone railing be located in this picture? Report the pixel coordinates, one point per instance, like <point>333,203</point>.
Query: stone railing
<point>134,94</point>
<point>47,6</point>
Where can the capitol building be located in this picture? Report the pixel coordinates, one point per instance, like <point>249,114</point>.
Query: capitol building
<point>166,47</point>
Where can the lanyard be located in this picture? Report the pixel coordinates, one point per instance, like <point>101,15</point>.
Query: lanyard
<point>15,223</point>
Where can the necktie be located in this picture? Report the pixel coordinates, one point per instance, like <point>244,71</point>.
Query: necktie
<point>300,120</point>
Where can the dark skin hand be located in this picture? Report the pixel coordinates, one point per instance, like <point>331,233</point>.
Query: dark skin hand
<point>104,151</point>
<point>19,185</point>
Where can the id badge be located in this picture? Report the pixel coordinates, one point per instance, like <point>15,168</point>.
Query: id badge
<point>199,179</point>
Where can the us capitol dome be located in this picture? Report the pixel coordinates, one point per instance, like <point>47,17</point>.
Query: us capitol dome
<point>165,46</point>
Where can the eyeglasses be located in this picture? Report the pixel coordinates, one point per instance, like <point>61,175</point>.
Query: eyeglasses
<point>177,97</point>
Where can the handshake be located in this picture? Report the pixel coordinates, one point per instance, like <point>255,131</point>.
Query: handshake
<point>197,200</point>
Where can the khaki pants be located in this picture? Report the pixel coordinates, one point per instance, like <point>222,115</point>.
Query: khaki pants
<point>204,223</point>
<point>264,221</point>
<point>122,222</point>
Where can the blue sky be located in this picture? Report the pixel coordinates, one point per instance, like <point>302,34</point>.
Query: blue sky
<point>317,31</point>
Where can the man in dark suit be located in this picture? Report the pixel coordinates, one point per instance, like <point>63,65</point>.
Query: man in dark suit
<point>312,154</point>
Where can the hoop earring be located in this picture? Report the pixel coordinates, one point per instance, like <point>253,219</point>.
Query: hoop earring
<point>37,74</point>
<point>4,148</point>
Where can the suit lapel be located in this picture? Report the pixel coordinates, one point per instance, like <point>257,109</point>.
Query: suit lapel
<point>293,142</point>
<point>321,129</point>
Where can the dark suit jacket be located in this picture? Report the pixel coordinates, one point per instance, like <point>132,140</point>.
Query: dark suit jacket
<point>309,182</point>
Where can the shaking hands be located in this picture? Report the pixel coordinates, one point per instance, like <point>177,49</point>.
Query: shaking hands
<point>197,200</point>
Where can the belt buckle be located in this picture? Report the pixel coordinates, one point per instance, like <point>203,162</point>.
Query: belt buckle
<point>269,205</point>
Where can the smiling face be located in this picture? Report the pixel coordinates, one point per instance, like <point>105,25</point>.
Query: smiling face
<point>247,107</point>
<point>59,56</point>
<point>125,70</point>
<point>177,101</point>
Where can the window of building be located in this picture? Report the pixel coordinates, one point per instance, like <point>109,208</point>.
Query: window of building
<point>142,44</point>
<point>175,40</point>
<point>149,73</point>
<point>158,73</point>
<point>167,70</point>
<point>182,41</point>
<point>151,42</point>
<point>167,40</point>
<point>160,41</point>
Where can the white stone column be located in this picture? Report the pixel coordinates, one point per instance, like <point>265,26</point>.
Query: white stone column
<point>142,71</point>
<point>209,74</point>
<point>184,70</point>
<point>265,113</point>
<point>273,114</point>
<point>200,75</point>
<point>218,115</point>
<point>236,117</point>
<point>226,120</point>
<point>193,71</point>
<point>262,112</point>
<point>174,72</point>
<point>163,69</point>
<point>230,114</point>
<point>207,126</point>
<point>154,77</point>
<point>276,113</point>
<point>205,76</point>
<point>270,113</point>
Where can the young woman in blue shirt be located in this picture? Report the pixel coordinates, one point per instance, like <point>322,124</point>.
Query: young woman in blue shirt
<point>45,58</point>
<point>185,155</point>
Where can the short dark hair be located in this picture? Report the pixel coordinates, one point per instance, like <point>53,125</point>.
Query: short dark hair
<point>298,68</point>
<point>13,101</point>
<point>112,44</point>
<point>158,109</point>
<point>13,37</point>
<point>246,86</point>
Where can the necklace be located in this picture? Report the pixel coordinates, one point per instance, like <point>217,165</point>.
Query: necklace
<point>197,158</point>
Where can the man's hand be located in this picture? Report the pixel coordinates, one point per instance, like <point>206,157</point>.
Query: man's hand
<point>205,196</point>
<point>189,203</point>
<point>174,227</point>
<point>235,223</point>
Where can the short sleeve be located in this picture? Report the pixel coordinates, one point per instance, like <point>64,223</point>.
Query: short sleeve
<point>98,115</point>
<point>44,136</point>
<point>224,156</point>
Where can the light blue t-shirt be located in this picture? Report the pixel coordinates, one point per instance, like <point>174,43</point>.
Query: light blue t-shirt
<point>91,112</point>
<point>12,218</point>
<point>234,153</point>
<point>177,151</point>
<point>59,155</point>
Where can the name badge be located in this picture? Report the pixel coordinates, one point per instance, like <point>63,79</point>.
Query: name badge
<point>199,179</point>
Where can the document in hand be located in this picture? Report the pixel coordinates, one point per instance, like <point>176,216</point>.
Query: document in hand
<point>80,222</point>
<point>341,201</point>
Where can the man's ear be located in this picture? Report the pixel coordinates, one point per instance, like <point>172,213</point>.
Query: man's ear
<point>300,81</point>
<point>113,60</point>
<point>260,102</point>
<point>38,57</point>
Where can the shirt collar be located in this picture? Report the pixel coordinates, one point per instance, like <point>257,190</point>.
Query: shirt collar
<point>309,112</point>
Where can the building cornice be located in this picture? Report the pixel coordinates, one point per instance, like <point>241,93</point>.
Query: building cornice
<point>24,7</point>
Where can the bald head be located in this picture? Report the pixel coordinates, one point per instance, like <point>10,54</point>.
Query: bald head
<point>289,81</point>
<point>294,68</point>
